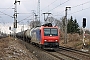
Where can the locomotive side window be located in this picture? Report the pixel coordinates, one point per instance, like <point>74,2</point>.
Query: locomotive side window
<point>50,31</point>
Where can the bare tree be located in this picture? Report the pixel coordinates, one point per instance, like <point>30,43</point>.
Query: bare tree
<point>35,24</point>
<point>55,21</point>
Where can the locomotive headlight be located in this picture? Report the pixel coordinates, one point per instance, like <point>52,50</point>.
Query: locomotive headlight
<point>56,40</point>
<point>45,40</point>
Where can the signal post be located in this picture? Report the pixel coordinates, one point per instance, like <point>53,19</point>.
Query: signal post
<point>84,45</point>
<point>15,17</point>
<point>84,25</point>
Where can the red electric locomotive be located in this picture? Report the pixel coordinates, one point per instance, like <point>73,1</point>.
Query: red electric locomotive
<point>46,36</point>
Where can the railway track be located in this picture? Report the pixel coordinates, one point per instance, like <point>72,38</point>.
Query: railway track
<point>65,53</point>
<point>40,53</point>
<point>74,50</point>
<point>58,55</point>
<point>62,54</point>
<point>74,53</point>
<point>49,55</point>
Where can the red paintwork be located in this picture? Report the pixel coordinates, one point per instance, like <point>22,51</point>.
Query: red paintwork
<point>49,38</point>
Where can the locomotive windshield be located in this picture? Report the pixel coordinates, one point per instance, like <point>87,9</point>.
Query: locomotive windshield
<point>50,32</point>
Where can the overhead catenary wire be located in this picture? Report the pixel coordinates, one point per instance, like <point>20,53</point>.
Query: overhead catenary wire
<point>81,4</point>
<point>77,6</point>
<point>79,10</point>
<point>4,9</point>
<point>7,8</point>
<point>6,14</point>
<point>75,11</point>
<point>24,18</point>
<point>52,2</point>
<point>59,5</point>
<point>49,4</point>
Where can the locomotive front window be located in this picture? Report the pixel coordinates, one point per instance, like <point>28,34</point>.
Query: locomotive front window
<point>50,31</point>
<point>54,32</point>
<point>46,32</point>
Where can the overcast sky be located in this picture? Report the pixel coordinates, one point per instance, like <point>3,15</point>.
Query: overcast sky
<point>79,9</point>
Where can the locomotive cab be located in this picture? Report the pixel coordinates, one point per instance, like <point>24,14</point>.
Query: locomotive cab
<point>50,36</point>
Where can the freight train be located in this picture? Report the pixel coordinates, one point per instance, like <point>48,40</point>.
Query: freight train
<point>45,36</point>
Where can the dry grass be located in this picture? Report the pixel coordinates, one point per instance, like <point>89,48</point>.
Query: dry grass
<point>75,41</point>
